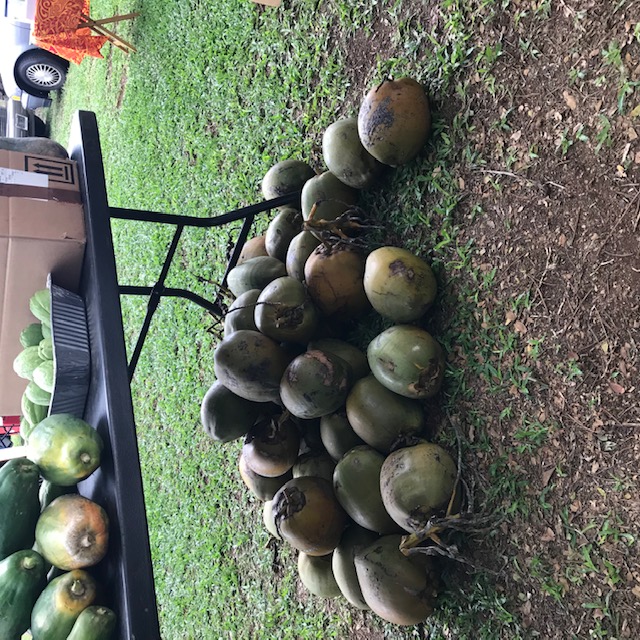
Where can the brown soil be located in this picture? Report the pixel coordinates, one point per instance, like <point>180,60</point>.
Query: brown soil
<point>561,201</point>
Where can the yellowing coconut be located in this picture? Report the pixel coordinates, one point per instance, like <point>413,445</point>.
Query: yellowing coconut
<point>394,121</point>
<point>399,285</point>
<point>334,277</point>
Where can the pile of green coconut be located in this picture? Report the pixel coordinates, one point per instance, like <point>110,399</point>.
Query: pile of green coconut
<point>334,434</point>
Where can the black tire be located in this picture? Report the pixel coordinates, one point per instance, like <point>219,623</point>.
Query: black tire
<point>38,72</point>
<point>40,127</point>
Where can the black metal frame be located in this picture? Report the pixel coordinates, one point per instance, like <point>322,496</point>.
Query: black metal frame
<point>126,572</point>
<point>158,290</point>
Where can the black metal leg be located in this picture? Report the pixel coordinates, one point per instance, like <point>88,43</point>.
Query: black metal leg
<point>159,290</point>
<point>212,307</point>
<point>237,249</point>
<point>213,221</point>
<point>152,304</point>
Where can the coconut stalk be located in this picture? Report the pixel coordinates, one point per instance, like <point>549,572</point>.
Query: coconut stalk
<point>346,228</point>
<point>431,539</point>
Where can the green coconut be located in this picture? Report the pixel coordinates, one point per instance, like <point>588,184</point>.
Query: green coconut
<point>316,575</point>
<point>353,541</point>
<point>408,361</point>
<point>281,231</point>
<point>381,417</point>
<point>284,311</point>
<point>314,384</point>
<point>354,357</point>
<point>251,365</point>
<point>298,252</point>
<point>417,482</point>
<point>253,248</point>
<point>285,177</point>
<point>271,447</point>
<point>400,589</point>
<point>241,313</point>
<point>327,197</point>
<point>337,434</point>
<point>308,516</point>
<point>225,416</point>
<point>255,273</point>
<point>345,156</point>
<point>314,463</point>
<point>356,482</point>
<point>261,487</point>
<point>268,519</point>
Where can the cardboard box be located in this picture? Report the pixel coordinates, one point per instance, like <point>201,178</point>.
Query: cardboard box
<point>41,232</point>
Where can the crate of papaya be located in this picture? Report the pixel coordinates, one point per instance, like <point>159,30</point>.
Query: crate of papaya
<point>54,359</point>
<point>100,520</point>
<point>51,536</point>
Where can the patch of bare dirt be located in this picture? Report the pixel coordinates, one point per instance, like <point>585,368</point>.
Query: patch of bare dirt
<point>559,190</point>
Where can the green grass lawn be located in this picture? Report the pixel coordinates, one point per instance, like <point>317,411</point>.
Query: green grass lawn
<point>216,94</point>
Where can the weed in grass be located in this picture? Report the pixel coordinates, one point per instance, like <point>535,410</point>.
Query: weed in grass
<point>576,75</point>
<point>529,48</point>
<point>569,370</point>
<point>531,435</point>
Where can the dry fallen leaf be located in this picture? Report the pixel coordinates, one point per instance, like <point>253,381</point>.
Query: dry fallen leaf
<point>509,317</point>
<point>546,476</point>
<point>520,327</point>
<point>636,591</point>
<point>548,535</point>
<point>570,100</point>
<point>616,388</point>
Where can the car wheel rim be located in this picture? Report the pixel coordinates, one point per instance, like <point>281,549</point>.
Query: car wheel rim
<point>43,75</point>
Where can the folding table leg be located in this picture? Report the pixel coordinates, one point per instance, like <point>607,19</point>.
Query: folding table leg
<point>247,214</point>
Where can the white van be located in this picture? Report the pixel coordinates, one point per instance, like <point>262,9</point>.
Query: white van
<point>24,67</point>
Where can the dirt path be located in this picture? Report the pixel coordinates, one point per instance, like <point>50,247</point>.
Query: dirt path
<point>547,135</point>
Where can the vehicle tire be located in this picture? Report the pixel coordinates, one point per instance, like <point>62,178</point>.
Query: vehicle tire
<point>39,72</point>
<point>40,128</point>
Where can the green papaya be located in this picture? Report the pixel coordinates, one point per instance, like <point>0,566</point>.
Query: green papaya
<point>94,623</point>
<point>50,491</point>
<point>45,349</point>
<point>26,428</point>
<point>33,412</point>
<point>37,395</point>
<point>60,603</point>
<point>22,579</point>
<point>44,375</point>
<point>40,306</point>
<point>19,505</point>
<point>32,335</point>
<point>26,362</point>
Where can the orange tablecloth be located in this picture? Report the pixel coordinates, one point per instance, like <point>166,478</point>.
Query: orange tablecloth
<point>55,29</point>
